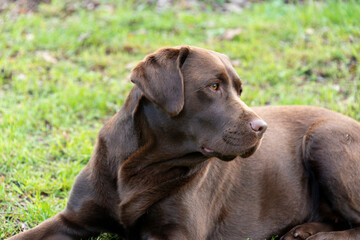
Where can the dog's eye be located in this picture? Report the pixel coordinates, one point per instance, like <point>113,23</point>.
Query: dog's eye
<point>214,86</point>
<point>240,92</point>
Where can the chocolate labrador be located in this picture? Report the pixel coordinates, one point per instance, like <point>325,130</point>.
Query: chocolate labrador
<point>185,158</point>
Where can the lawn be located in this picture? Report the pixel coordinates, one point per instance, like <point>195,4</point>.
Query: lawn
<point>64,71</point>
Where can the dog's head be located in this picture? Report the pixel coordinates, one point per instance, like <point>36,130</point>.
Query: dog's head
<point>193,103</point>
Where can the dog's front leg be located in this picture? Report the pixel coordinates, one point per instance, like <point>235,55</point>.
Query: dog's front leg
<point>350,234</point>
<point>55,228</point>
<point>88,213</point>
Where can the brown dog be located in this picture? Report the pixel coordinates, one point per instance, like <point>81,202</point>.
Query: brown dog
<point>165,166</point>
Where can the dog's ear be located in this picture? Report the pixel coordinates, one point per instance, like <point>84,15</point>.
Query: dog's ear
<point>160,78</point>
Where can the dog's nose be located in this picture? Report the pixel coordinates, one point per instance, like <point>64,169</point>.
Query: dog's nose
<point>258,126</point>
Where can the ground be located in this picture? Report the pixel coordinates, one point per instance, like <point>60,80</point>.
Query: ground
<point>65,67</point>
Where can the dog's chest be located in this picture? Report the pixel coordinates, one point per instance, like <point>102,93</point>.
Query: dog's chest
<point>244,204</point>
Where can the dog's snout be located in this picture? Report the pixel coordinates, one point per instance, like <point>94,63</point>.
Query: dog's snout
<point>259,126</point>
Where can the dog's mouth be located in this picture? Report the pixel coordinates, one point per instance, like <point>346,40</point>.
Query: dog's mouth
<point>208,152</point>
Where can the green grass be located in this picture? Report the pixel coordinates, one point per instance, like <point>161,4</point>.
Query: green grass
<point>64,71</point>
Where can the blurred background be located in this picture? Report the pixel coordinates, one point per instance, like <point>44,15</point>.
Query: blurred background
<point>64,68</point>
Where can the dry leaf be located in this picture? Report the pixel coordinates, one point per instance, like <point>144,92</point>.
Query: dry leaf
<point>310,31</point>
<point>48,58</point>
<point>236,62</point>
<point>230,34</point>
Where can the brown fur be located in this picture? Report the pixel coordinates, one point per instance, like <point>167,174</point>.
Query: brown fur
<point>182,161</point>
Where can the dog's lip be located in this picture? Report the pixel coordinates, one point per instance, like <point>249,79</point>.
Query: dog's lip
<point>211,153</point>
<point>208,150</point>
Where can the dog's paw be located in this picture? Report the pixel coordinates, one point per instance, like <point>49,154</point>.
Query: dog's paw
<point>307,231</point>
<point>296,235</point>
